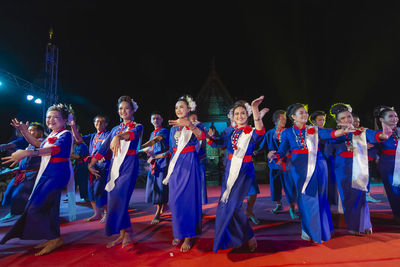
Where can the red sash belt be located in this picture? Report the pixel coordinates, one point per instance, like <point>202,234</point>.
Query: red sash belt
<point>186,149</point>
<point>20,175</point>
<point>300,151</point>
<point>58,160</point>
<point>247,158</point>
<point>131,152</point>
<point>346,154</point>
<point>391,152</point>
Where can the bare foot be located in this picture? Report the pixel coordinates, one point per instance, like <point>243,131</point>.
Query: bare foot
<point>187,245</point>
<point>115,242</point>
<point>42,245</point>
<point>93,218</point>
<point>156,219</point>
<point>51,246</point>
<point>175,241</point>
<point>368,231</point>
<point>252,244</point>
<point>103,219</point>
<point>252,217</point>
<point>127,240</point>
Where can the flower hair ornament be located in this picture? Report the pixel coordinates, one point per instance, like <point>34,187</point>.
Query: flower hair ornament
<point>134,105</point>
<point>191,103</point>
<point>249,111</point>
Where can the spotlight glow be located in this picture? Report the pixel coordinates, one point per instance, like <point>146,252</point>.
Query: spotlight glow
<point>29,97</point>
<point>38,101</point>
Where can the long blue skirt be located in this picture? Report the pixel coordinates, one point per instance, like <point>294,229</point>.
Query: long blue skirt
<point>386,169</point>
<point>16,196</point>
<point>355,206</point>
<point>40,220</point>
<point>232,228</point>
<point>315,215</point>
<point>185,196</point>
<point>204,198</point>
<point>118,199</point>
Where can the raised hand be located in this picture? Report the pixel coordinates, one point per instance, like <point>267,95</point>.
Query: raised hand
<point>347,127</point>
<point>256,102</point>
<point>271,155</point>
<point>19,125</point>
<point>263,112</point>
<point>211,132</point>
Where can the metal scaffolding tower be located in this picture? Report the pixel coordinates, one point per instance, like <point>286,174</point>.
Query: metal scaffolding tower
<point>51,71</point>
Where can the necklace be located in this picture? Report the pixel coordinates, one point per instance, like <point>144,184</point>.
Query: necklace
<point>278,134</point>
<point>349,143</point>
<point>299,138</point>
<point>234,138</point>
<point>177,134</point>
<point>395,137</point>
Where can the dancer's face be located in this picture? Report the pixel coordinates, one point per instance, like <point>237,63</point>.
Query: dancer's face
<point>100,124</point>
<point>281,121</point>
<point>181,109</point>
<point>300,116</point>
<point>156,120</point>
<point>356,122</point>
<point>35,132</point>
<point>240,116</point>
<point>320,121</point>
<point>390,119</point>
<point>55,121</point>
<point>345,117</point>
<point>193,117</point>
<point>125,111</point>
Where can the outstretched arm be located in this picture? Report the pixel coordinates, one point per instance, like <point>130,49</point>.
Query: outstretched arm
<point>258,115</point>
<point>23,129</point>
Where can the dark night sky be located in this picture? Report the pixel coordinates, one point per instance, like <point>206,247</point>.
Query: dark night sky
<point>314,52</point>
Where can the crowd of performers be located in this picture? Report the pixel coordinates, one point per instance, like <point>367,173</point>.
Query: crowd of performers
<point>316,167</point>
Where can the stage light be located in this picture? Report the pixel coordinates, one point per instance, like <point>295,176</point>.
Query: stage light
<point>1,83</point>
<point>38,101</point>
<point>29,97</point>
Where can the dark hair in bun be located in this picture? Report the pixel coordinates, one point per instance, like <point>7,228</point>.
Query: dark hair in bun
<point>338,108</point>
<point>317,113</point>
<point>380,112</point>
<point>293,108</point>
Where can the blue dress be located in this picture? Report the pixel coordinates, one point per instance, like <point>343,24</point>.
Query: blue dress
<point>232,228</point>
<point>355,206</point>
<point>315,215</point>
<point>278,176</point>
<point>185,188</point>
<point>41,220</point>
<point>118,198</point>
<point>96,191</point>
<point>156,191</point>
<point>387,152</point>
<point>20,188</point>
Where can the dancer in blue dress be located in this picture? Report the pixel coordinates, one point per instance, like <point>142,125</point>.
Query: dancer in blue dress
<point>96,185</point>
<point>40,219</point>
<point>389,158</point>
<point>20,187</point>
<point>157,149</point>
<point>351,170</point>
<point>232,228</point>
<point>123,141</point>
<point>279,176</point>
<point>309,172</point>
<point>184,175</point>
<point>203,160</point>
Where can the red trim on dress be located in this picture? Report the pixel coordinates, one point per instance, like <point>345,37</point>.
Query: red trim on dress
<point>260,132</point>
<point>98,156</point>
<point>55,150</point>
<point>131,135</point>
<point>58,160</point>
<point>186,149</point>
<point>247,158</point>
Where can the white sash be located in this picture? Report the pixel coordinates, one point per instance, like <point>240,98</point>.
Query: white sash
<point>312,146</point>
<point>117,161</point>
<point>396,173</point>
<point>236,163</point>
<point>183,140</point>
<point>360,162</point>
<point>46,159</point>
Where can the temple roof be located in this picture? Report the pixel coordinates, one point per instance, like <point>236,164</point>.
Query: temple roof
<point>213,100</point>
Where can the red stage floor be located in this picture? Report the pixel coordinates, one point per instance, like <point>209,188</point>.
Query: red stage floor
<point>279,242</point>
